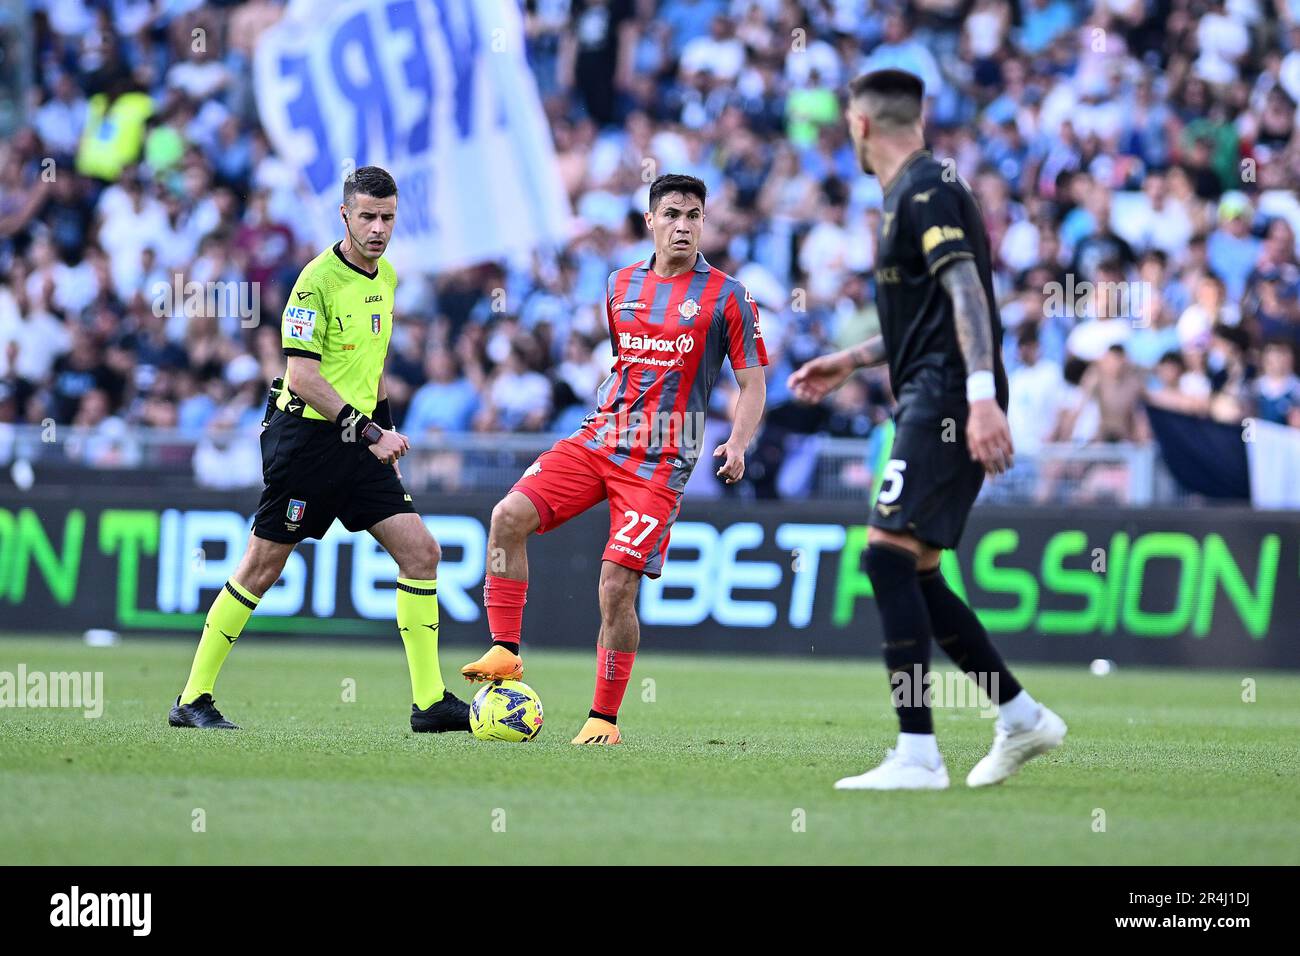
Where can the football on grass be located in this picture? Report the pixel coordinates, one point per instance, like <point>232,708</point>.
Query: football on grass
<point>507,710</point>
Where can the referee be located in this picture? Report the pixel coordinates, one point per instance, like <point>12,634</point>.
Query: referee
<point>330,451</point>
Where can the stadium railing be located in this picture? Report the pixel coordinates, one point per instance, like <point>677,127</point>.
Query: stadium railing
<point>823,468</point>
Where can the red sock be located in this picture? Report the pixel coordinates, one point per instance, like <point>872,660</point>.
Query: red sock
<point>613,671</point>
<point>504,599</point>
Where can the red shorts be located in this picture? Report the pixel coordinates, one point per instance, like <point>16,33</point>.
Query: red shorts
<point>568,479</point>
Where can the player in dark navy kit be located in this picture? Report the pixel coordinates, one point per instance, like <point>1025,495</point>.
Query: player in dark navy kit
<point>941,337</point>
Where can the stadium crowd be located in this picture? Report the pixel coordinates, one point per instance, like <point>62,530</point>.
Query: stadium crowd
<point>1136,162</point>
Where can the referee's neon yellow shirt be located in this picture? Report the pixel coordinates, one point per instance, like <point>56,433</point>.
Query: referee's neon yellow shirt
<point>343,318</point>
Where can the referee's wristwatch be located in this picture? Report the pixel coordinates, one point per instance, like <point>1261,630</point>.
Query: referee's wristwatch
<point>368,431</point>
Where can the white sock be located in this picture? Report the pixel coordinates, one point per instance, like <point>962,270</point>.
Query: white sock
<point>1019,713</point>
<point>920,748</point>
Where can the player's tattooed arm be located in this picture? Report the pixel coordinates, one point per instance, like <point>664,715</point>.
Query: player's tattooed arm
<point>970,309</point>
<point>987,435</point>
<point>816,379</point>
<point>868,353</point>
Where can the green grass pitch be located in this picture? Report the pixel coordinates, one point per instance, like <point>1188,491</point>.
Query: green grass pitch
<point>732,761</point>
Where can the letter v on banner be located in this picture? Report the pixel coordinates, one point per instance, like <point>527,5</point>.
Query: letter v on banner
<point>485,130</point>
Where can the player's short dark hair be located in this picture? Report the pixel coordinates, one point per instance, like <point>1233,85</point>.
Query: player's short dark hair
<point>890,97</point>
<point>677,183</point>
<point>368,181</point>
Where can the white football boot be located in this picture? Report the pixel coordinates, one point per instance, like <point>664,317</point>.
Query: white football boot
<point>1011,751</point>
<point>898,772</point>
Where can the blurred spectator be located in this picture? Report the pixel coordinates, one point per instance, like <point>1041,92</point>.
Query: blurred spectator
<point>899,50</point>
<point>1108,307</point>
<point>593,55</point>
<point>1156,176</point>
<point>519,398</point>
<point>98,438</point>
<point>1166,389</point>
<point>1115,385</point>
<point>447,402</point>
<point>1043,22</point>
<point>265,246</point>
<point>77,374</point>
<point>1231,248</point>
<point>1230,374</point>
<point>227,457</point>
<point>1156,331</point>
<point>1037,395</point>
<point>1209,308</point>
<point>37,337</point>
<point>720,53</point>
<point>1277,390</point>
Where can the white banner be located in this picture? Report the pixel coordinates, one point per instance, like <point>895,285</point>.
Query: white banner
<point>439,93</point>
<point>1274,457</point>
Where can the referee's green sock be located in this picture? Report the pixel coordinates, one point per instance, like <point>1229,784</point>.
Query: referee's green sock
<point>226,619</point>
<point>417,622</point>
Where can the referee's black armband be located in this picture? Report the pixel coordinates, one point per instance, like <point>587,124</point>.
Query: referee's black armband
<point>384,414</point>
<point>360,425</point>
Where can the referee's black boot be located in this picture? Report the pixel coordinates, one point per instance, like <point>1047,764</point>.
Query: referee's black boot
<point>202,713</point>
<point>450,713</point>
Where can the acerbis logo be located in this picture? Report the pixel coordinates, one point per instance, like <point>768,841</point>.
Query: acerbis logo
<point>684,343</point>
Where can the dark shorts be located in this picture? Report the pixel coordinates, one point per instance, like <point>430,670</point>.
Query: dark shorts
<point>312,477</point>
<point>930,482</point>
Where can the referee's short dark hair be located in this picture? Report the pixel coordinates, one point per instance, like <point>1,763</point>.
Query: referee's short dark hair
<point>891,97</point>
<point>368,181</point>
<point>677,183</point>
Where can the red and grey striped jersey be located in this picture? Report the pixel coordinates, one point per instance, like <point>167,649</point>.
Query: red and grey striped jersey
<point>670,337</point>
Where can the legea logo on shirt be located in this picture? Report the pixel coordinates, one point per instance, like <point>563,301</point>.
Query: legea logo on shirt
<point>300,323</point>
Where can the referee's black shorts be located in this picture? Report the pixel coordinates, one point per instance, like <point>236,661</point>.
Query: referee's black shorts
<point>313,476</point>
<point>930,483</point>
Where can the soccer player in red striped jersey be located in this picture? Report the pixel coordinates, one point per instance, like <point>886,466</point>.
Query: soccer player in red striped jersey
<point>672,320</point>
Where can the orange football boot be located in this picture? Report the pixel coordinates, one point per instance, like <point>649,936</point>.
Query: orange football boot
<point>497,664</point>
<point>598,731</point>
